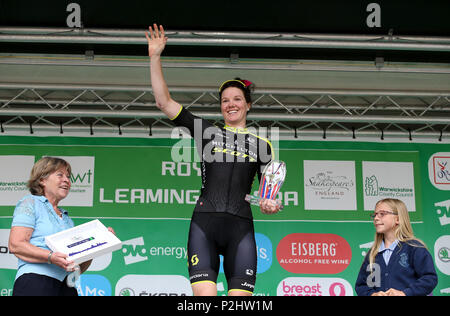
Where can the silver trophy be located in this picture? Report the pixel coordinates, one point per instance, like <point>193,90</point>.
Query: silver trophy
<point>271,181</point>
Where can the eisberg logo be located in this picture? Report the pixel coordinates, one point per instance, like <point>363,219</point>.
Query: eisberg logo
<point>314,253</point>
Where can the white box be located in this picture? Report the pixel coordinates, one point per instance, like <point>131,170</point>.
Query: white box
<point>84,242</point>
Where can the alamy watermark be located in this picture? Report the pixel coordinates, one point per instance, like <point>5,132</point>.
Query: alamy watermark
<point>216,144</point>
<point>374,278</point>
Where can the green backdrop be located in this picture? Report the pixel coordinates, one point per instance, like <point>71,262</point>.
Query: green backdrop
<point>315,246</point>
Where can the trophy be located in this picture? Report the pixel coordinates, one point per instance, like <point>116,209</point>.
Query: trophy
<point>271,181</point>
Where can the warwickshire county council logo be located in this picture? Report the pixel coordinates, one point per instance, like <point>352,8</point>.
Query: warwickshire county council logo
<point>371,186</point>
<point>379,182</point>
<point>14,174</point>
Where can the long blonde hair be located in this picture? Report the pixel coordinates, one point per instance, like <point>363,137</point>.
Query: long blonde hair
<point>403,231</point>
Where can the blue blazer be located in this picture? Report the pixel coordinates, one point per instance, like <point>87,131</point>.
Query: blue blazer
<point>410,269</point>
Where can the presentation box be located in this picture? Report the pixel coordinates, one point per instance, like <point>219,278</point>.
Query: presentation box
<point>84,242</point>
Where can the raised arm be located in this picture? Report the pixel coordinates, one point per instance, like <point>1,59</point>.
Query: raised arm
<point>156,42</point>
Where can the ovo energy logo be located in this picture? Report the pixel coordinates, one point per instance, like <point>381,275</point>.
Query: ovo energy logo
<point>134,251</point>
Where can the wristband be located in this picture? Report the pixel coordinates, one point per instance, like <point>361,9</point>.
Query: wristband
<point>49,258</point>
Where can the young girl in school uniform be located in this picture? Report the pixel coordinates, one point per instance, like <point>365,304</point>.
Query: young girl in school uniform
<point>398,264</point>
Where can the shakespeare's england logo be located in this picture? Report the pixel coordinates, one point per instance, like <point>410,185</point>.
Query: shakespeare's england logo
<point>329,185</point>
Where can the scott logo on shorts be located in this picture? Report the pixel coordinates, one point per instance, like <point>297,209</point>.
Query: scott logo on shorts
<point>194,260</point>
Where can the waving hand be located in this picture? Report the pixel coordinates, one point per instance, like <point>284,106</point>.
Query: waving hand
<point>156,39</point>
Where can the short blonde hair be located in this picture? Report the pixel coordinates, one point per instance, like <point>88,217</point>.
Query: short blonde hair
<point>42,169</point>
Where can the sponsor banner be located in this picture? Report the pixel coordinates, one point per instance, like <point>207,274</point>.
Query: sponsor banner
<point>135,250</point>
<point>314,287</point>
<point>442,254</point>
<point>439,170</point>
<point>7,259</point>
<point>388,180</point>
<point>14,175</point>
<point>264,252</point>
<point>152,179</point>
<point>443,210</point>
<point>101,263</point>
<point>82,179</point>
<point>314,253</point>
<point>147,196</point>
<point>153,285</point>
<point>329,185</point>
<point>93,285</point>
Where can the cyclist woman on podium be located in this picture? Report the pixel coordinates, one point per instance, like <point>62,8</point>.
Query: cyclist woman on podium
<point>231,156</point>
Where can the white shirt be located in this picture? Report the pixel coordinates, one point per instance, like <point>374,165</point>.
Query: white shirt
<point>387,252</point>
